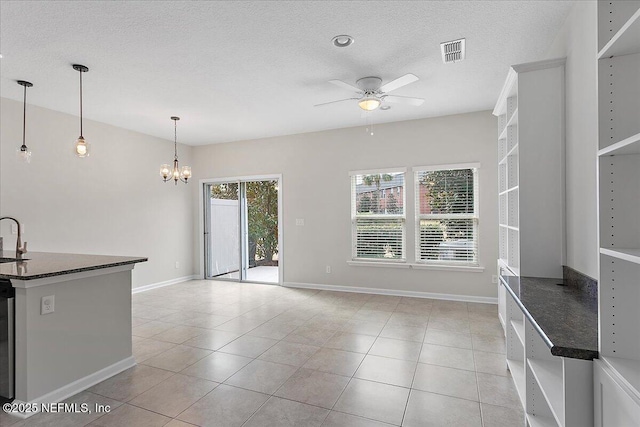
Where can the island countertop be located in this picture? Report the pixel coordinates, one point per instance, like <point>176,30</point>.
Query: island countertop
<point>38,265</point>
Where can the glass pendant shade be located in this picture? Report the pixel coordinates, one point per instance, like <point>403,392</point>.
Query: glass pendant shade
<point>24,154</point>
<point>165,171</point>
<point>369,104</point>
<point>185,173</point>
<point>81,147</point>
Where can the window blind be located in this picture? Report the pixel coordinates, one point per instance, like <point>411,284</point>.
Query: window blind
<point>447,215</point>
<point>378,215</point>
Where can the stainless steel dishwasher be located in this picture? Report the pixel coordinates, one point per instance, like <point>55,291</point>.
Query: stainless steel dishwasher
<point>7,340</point>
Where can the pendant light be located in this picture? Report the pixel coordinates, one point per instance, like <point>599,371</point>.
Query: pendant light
<point>23,152</point>
<point>81,146</point>
<point>175,174</point>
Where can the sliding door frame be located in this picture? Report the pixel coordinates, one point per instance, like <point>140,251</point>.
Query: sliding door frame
<point>203,228</point>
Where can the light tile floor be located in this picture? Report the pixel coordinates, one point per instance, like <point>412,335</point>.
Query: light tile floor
<point>237,354</point>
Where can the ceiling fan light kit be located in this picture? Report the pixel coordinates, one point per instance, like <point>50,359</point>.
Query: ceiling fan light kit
<point>369,103</point>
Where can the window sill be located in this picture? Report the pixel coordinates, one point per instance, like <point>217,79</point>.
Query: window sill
<point>399,264</point>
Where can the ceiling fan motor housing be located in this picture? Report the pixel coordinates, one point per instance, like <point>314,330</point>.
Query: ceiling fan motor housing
<point>369,84</point>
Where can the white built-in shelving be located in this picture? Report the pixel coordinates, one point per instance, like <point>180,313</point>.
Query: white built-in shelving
<point>554,391</point>
<point>530,113</point>
<point>617,373</point>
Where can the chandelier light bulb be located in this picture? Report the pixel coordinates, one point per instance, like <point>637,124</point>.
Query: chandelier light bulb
<point>165,171</point>
<point>185,173</point>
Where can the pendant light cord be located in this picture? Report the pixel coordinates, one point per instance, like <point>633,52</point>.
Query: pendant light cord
<point>24,116</point>
<point>81,103</point>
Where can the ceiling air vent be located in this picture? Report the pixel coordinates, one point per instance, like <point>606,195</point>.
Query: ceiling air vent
<point>452,51</point>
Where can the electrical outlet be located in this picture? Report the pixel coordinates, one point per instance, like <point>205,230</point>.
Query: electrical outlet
<point>299,221</point>
<point>47,304</point>
<point>328,269</point>
<point>494,279</point>
<point>177,264</point>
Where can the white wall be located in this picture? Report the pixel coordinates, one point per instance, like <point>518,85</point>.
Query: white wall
<point>112,203</point>
<point>316,187</point>
<point>577,40</point>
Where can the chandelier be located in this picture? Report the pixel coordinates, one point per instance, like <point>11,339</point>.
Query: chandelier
<point>175,174</point>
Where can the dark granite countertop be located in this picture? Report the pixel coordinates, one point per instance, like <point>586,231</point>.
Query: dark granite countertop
<point>38,265</point>
<point>565,317</point>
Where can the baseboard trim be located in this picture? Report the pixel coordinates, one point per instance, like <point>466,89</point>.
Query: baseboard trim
<point>77,386</point>
<point>157,285</point>
<point>393,292</point>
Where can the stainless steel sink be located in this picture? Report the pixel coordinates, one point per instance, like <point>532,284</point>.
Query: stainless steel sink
<point>3,260</point>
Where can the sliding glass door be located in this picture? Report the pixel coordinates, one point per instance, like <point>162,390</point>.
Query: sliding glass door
<point>241,230</point>
<point>222,230</point>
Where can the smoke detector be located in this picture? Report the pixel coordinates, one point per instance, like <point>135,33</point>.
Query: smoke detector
<point>453,51</point>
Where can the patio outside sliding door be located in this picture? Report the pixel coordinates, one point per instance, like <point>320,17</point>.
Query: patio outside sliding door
<point>241,231</point>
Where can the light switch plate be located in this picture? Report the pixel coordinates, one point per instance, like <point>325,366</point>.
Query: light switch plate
<point>14,228</point>
<point>299,221</point>
<point>47,304</point>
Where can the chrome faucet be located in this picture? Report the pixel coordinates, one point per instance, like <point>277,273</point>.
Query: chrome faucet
<point>20,248</point>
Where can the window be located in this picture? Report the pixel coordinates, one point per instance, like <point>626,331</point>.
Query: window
<point>378,222</point>
<point>447,214</point>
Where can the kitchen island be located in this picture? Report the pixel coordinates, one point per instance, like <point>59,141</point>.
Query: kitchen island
<point>72,321</point>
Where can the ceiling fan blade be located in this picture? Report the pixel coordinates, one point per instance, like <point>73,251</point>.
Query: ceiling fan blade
<point>399,82</point>
<point>416,102</point>
<point>344,85</point>
<point>333,102</point>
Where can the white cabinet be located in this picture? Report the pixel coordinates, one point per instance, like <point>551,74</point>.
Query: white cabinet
<point>616,405</point>
<point>617,374</point>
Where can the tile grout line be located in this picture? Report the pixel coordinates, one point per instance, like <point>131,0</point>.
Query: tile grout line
<point>351,377</point>
<point>424,337</point>
<point>273,394</point>
<point>360,364</point>
<point>298,368</point>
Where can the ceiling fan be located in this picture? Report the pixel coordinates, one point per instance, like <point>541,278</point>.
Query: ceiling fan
<point>371,93</point>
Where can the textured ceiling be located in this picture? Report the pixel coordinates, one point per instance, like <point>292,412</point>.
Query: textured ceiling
<point>242,70</point>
